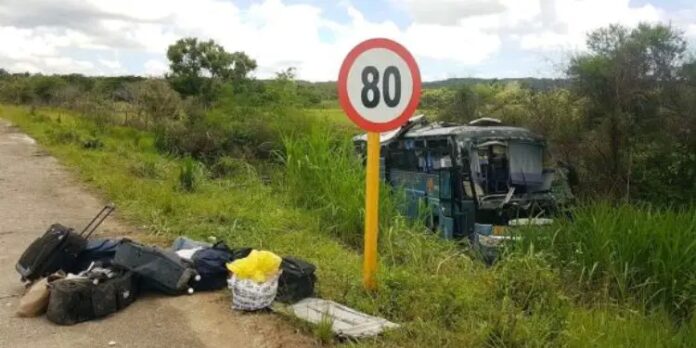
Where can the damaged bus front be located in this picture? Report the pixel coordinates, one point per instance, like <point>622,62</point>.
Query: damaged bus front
<point>470,178</point>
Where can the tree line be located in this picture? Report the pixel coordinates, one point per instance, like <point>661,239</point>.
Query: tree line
<point>624,116</point>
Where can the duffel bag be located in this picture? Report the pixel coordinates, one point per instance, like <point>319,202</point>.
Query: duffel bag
<point>90,297</point>
<point>296,280</point>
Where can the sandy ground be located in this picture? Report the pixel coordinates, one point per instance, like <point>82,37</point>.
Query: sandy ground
<point>36,191</point>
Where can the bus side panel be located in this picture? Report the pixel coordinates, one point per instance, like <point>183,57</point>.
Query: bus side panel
<point>422,191</point>
<point>465,219</point>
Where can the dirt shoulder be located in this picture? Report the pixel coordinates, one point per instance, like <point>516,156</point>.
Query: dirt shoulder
<point>36,191</point>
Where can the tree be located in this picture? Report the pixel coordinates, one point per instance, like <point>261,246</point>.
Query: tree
<point>16,90</point>
<point>625,76</point>
<point>464,106</point>
<point>199,67</point>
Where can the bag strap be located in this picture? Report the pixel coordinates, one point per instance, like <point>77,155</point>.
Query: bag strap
<point>299,265</point>
<point>221,245</point>
<point>97,220</point>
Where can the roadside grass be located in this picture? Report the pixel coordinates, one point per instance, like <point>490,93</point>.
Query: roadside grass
<point>631,254</point>
<point>438,295</point>
<point>335,114</point>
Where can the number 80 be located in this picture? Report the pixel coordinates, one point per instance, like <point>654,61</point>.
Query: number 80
<point>370,79</point>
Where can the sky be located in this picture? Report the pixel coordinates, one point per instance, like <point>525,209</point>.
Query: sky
<point>449,38</point>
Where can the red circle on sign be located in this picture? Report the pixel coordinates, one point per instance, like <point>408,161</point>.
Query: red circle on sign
<point>353,114</point>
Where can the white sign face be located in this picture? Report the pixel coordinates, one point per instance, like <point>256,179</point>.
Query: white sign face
<point>379,85</point>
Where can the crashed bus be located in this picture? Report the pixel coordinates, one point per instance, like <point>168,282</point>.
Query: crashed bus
<point>468,181</point>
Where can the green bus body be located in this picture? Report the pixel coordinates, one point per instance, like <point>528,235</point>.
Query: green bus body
<point>455,176</point>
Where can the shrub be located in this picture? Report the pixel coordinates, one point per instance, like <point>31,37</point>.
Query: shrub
<point>156,101</point>
<point>63,135</point>
<point>92,143</point>
<point>190,174</point>
<point>148,169</point>
<point>227,166</point>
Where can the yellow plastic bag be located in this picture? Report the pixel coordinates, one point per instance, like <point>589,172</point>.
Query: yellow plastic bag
<point>259,266</point>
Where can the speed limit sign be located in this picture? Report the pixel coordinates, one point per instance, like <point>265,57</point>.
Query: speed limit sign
<point>379,88</point>
<point>379,85</point>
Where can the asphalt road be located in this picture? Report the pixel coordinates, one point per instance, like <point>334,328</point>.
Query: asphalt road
<point>36,191</point>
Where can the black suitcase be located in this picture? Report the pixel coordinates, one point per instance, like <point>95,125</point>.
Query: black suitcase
<point>57,249</point>
<point>296,281</point>
<point>157,269</point>
<point>80,299</point>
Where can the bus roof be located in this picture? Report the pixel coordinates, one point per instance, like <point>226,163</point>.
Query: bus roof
<point>419,127</point>
<point>473,132</point>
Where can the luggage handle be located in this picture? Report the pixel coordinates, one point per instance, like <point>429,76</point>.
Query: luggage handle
<point>101,216</point>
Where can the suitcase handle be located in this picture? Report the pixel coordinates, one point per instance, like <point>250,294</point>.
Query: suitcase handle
<point>99,218</point>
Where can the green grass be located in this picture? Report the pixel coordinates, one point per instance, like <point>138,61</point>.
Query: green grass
<point>439,296</point>
<point>644,255</point>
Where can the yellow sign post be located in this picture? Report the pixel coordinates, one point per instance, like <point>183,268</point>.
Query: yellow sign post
<point>371,211</point>
<point>379,88</point>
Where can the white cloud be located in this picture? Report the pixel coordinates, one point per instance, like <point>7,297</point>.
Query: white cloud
<point>67,65</point>
<point>111,64</point>
<point>691,31</point>
<point>450,12</point>
<point>39,50</point>
<point>277,34</point>
<point>42,35</point>
<point>535,24</point>
<point>454,43</point>
<point>154,67</point>
<point>569,21</point>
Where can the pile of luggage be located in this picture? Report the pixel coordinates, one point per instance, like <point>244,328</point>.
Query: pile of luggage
<point>74,278</point>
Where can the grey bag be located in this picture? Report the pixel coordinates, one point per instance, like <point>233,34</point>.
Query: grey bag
<point>158,269</point>
<point>182,242</point>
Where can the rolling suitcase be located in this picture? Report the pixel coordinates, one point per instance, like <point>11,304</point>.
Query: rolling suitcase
<point>57,249</point>
<point>157,269</point>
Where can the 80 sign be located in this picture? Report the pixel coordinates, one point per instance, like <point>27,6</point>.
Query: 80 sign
<point>379,85</point>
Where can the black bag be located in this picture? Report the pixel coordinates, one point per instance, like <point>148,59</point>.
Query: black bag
<point>57,249</point>
<point>241,253</point>
<point>90,297</point>
<point>158,269</point>
<point>97,250</point>
<point>296,281</point>
<point>211,265</point>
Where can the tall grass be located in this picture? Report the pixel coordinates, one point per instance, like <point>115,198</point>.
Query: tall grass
<point>632,253</point>
<point>438,295</point>
<point>324,173</point>
<point>190,174</point>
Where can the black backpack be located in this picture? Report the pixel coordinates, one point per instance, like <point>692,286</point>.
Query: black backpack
<point>211,265</point>
<point>57,249</point>
<point>296,281</point>
<point>90,297</point>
